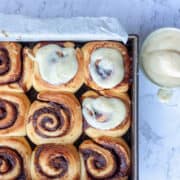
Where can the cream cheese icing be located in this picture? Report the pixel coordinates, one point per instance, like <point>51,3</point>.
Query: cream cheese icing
<point>160,57</point>
<point>103,112</point>
<point>106,67</point>
<point>57,65</point>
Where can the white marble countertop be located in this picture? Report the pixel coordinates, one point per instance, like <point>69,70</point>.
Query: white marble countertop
<point>159,128</point>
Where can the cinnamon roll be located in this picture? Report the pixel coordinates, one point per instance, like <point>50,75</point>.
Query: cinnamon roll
<point>58,67</point>
<point>106,114</point>
<point>105,158</point>
<point>14,108</point>
<point>15,73</point>
<point>107,66</point>
<point>15,154</point>
<point>54,118</point>
<point>54,161</point>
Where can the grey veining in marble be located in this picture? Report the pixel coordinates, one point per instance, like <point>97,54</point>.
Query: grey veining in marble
<point>159,128</point>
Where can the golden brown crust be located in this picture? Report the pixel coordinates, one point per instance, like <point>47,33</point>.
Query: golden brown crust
<point>27,71</point>
<point>117,131</point>
<point>54,161</point>
<point>73,85</point>
<point>54,118</point>
<point>15,154</point>
<point>14,108</point>
<point>87,50</point>
<point>105,158</point>
<point>13,70</point>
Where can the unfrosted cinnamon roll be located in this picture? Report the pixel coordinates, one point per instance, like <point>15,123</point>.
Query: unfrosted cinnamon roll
<point>54,162</point>
<point>58,67</point>
<point>106,114</point>
<point>104,158</point>
<point>107,66</point>
<point>15,73</point>
<point>15,154</point>
<point>54,118</point>
<point>14,108</point>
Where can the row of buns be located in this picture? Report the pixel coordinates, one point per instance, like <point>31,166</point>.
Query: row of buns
<point>61,66</point>
<point>94,159</point>
<point>56,119</point>
<point>54,122</point>
<point>59,118</point>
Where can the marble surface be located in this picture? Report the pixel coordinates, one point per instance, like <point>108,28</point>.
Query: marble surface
<point>159,124</point>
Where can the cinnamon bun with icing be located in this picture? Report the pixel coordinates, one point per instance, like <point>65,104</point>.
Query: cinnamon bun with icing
<point>54,118</point>
<point>58,67</point>
<point>105,158</point>
<point>15,72</point>
<point>14,108</point>
<point>54,162</point>
<point>107,66</point>
<point>15,158</point>
<point>105,114</point>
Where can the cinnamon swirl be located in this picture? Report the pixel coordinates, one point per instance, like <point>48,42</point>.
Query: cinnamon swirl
<point>15,154</point>
<point>107,66</point>
<point>106,114</point>
<point>14,108</point>
<point>54,161</point>
<point>54,118</point>
<point>105,158</point>
<point>15,73</point>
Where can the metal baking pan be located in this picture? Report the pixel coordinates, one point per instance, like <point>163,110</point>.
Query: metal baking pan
<point>131,136</point>
<point>28,31</point>
<point>133,51</point>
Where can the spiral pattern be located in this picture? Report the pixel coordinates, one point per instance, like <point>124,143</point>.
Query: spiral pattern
<point>52,161</point>
<point>10,63</point>
<point>10,163</point>
<point>13,112</point>
<point>105,158</point>
<point>8,114</point>
<point>16,69</point>
<point>54,119</point>
<point>15,156</point>
<point>51,121</point>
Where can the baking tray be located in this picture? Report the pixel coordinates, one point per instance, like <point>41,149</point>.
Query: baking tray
<point>133,44</point>
<point>131,136</point>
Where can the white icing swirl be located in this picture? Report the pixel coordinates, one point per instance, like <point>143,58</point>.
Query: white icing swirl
<point>57,65</point>
<point>104,113</point>
<point>107,67</point>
